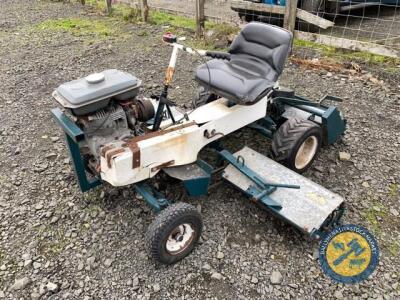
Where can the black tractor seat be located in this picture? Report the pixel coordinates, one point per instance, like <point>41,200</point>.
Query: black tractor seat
<point>257,59</point>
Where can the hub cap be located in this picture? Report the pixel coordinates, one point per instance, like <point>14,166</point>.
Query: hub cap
<point>306,152</point>
<point>180,238</point>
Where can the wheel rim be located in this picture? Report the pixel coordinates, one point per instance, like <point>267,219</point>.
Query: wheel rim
<point>306,152</point>
<point>180,239</point>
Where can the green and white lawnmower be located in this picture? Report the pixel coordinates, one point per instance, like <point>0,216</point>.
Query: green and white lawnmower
<point>117,136</point>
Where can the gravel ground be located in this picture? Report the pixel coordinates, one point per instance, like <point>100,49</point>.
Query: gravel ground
<point>57,243</point>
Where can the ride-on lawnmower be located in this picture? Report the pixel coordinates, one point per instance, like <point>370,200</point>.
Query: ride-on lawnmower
<point>118,136</point>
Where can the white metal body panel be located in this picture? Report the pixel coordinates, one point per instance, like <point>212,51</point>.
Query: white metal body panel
<point>211,111</point>
<point>182,146</point>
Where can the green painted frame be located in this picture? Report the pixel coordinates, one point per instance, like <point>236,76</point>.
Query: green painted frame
<point>74,135</point>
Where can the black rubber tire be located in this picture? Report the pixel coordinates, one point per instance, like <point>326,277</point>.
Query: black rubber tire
<point>316,7</point>
<point>289,137</point>
<point>166,221</point>
<point>203,97</point>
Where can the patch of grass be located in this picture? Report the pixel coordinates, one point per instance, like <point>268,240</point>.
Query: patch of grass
<point>343,54</point>
<point>394,190</point>
<point>99,5</point>
<point>306,44</point>
<point>177,24</point>
<point>394,248</point>
<point>377,210</point>
<point>78,27</point>
<point>52,244</point>
<point>92,197</point>
<point>393,70</point>
<point>162,18</point>
<point>126,13</point>
<point>143,33</point>
<point>52,248</point>
<point>1,257</point>
<point>93,209</point>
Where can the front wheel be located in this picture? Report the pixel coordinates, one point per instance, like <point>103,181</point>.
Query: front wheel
<point>296,144</point>
<point>174,233</point>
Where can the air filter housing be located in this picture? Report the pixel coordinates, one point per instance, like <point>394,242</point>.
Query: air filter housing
<point>94,92</point>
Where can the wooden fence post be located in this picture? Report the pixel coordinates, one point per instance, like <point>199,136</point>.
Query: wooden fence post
<point>144,9</point>
<point>200,18</point>
<point>289,20</point>
<point>109,6</point>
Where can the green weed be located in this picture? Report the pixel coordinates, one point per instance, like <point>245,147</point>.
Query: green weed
<point>54,243</point>
<point>78,27</point>
<point>177,24</point>
<point>343,54</point>
<point>377,210</point>
<point>162,18</point>
<point>99,5</point>
<point>394,190</point>
<point>394,248</point>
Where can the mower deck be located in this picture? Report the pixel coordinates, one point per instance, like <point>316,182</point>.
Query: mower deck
<point>306,208</point>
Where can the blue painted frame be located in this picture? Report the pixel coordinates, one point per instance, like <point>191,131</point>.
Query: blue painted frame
<point>261,191</point>
<point>153,197</point>
<point>333,124</point>
<point>74,135</point>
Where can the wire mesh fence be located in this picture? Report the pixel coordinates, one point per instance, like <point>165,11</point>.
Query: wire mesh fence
<point>367,25</point>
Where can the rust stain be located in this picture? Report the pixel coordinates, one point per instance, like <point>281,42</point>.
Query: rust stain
<point>253,199</point>
<point>175,141</point>
<point>111,154</point>
<point>135,154</point>
<point>105,149</point>
<point>163,165</point>
<point>158,133</point>
<point>168,75</point>
<point>132,143</point>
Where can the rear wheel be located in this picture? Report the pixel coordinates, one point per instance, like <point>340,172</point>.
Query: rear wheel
<point>296,144</point>
<point>174,233</point>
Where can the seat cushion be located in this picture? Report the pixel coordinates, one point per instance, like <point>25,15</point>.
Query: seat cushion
<point>237,80</point>
<point>268,43</point>
<point>257,58</point>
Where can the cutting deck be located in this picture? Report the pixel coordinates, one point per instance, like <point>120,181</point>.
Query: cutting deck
<point>307,208</point>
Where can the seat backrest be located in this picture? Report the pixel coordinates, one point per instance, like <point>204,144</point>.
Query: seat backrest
<point>268,43</point>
